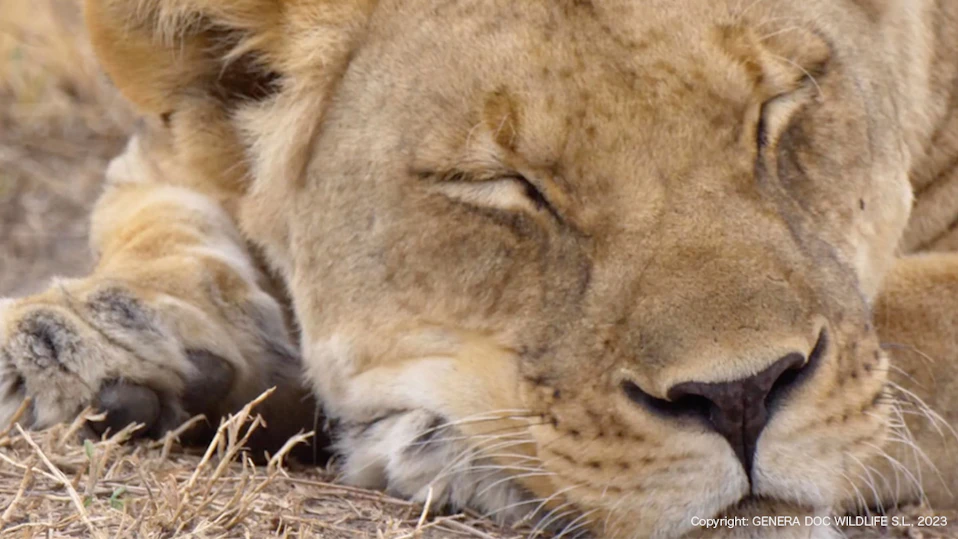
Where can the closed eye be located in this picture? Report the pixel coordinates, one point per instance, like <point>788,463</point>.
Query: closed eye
<point>512,192</point>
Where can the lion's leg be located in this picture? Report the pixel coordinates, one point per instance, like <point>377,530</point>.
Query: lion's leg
<point>174,320</point>
<point>917,316</point>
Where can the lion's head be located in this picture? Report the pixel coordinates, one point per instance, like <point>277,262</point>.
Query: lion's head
<point>608,261</point>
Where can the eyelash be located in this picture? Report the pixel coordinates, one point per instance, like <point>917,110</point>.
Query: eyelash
<point>532,192</point>
<point>529,189</point>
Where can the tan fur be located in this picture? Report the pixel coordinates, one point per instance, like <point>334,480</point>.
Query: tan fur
<point>491,217</point>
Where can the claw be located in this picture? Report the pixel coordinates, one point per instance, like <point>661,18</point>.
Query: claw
<point>124,404</point>
<point>205,393</point>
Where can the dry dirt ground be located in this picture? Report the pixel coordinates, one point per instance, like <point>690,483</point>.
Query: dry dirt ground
<point>60,122</point>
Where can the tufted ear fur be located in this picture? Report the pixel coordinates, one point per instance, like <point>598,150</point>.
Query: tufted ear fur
<point>161,51</point>
<point>222,75</point>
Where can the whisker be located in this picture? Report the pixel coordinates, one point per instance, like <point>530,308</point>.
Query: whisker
<point>457,460</point>
<point>540,473</point>
<point>472,437</point>
<point>471,453</point>
<point>614,508</point>
<point>870,483</point>
<point>482,417</point>
<point>785,30</point>
<point>489,515</point>
<point>515,456</point>
<point>859,497</point>
<point>550,517</point>
<point>545,501</point>
<point>902,372</point>
<point>773,20</point>
<point>899,467</point>
<point>505,467</point>
<point>803,70</point>
<point>933,416</point>
<point>919,452</point>
<point>741,14</point>
<point>579,522</point>
<point>905,436</point>
<point>907,348</point>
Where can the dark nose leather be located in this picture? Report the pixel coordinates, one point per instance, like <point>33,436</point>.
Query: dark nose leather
<point>738,410</point>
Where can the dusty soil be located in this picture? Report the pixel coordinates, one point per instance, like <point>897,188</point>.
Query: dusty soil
<point>60,122</point>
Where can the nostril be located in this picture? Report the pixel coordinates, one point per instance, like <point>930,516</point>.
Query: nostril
<point>737,409</point>
<point>684,399</point>
<point>790,368</point>
<point>798,370</point>
<point>685,405</point>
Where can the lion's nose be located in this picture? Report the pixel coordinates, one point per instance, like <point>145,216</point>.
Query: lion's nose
<point>738,410</point>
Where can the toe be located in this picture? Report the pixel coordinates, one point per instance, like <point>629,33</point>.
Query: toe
<point>45,357</point>
<point>125,403</point>
<point>208,388</point>
<point>45,339</point>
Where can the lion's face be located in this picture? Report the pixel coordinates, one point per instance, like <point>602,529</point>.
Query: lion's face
<point>627,250</point>
<point>670,220</point>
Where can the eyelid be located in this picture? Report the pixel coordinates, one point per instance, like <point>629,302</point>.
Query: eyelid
<point>501,193</point>
<point>511,191</point>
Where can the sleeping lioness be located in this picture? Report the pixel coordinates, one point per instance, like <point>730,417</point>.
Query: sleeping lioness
<point>611,266</point>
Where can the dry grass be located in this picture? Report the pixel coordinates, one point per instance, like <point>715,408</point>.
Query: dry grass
<point>60,122</point>
<point>51,484</point>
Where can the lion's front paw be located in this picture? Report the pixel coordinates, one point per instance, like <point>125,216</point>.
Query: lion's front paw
<point>80,345</point>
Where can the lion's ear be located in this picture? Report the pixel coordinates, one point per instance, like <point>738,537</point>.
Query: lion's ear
<point>160,51</point>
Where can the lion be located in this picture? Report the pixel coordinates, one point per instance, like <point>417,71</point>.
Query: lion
<point>609,266</point>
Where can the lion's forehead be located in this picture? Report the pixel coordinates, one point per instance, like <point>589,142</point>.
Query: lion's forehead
<point>615,97</point>
<point>583,62</point>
